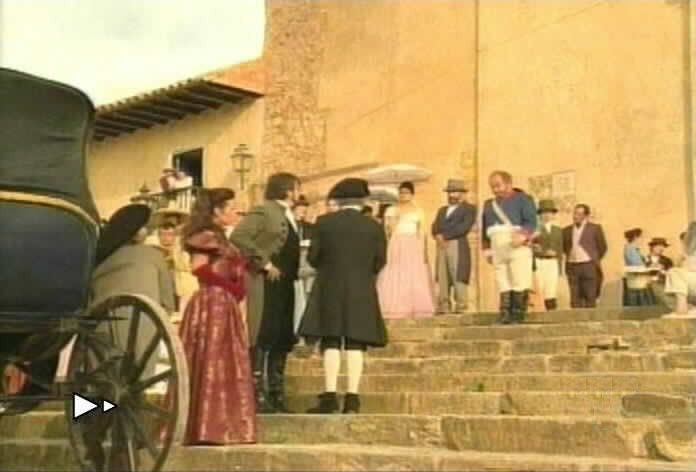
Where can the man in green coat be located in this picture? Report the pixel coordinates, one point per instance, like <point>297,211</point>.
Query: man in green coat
<point>548,252</point>
<point>268,238</point>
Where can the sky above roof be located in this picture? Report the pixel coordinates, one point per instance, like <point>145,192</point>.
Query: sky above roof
<point>113,49</point>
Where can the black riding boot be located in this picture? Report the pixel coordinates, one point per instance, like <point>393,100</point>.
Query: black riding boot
<point>276,381</point>
<point>328,404</point>
<point>505,308</point>
<point>520,303</point>
<point>258,361</point>
<point>551,304</point>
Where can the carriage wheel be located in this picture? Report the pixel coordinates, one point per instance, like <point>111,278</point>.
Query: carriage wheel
<point>136,362</point>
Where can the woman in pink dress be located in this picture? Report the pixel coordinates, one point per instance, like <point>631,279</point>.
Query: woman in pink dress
<point>405,285</point>
<point>222,407</point>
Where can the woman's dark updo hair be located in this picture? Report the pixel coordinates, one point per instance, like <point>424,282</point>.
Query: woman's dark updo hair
<point>408,186</point>
<point>203,211</point>
<point>633,234</point>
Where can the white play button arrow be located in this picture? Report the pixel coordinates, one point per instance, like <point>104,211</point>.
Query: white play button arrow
<point>106,406</point>
<point>82,406</point>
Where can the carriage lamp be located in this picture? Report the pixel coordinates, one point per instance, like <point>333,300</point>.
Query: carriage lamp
<point>241,158</point>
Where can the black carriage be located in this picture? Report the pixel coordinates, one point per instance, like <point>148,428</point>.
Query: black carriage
<point>51,326</point>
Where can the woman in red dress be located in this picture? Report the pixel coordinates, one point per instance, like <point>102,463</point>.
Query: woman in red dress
<point>222,407</point>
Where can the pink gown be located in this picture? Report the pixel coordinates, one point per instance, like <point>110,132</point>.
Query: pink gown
<point>405,285</point>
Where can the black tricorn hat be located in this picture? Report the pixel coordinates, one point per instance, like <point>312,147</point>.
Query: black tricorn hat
<point>350,188</point>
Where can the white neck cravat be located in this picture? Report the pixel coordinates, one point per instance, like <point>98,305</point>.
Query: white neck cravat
<point>289,214</point>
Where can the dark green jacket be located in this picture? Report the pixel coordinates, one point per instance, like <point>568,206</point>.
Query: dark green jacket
<point>546,240</point>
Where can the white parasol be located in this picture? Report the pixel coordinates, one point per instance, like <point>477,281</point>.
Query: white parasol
<point>396,173</point>
<point>384,193</point>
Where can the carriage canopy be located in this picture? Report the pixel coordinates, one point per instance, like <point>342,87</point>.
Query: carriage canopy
<point>44,130</point>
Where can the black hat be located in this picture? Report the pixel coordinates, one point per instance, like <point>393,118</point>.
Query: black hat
<point>350,188</point>
<point>658,242</point>
<point>455,185</point>
<point>547,206</point>
<point>121,228</point>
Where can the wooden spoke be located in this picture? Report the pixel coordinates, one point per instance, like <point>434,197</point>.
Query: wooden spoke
<point>157,410</point>
<point>143,385</point>
<point>141,434</point>
<point>142,363</point>
<point>130,450</point>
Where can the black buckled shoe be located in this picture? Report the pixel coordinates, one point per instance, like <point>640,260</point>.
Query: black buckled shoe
<point>351,404</point>
<point>551,304</point>
<point>328,404</point>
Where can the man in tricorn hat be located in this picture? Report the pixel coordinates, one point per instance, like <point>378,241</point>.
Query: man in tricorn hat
<point>548,252</point>
<point>348,249</point>
<point>451,229</point>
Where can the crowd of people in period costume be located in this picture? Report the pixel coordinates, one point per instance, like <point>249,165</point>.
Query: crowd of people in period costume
<point>248,287</point>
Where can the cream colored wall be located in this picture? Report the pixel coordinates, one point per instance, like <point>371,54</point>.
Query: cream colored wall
<point>119,167</point>
<point>593,87</point>
<point>397,86</point>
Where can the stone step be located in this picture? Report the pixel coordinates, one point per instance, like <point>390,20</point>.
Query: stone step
<point>656,327</point>
<point>600,362</point>
<point>520,347</point>
<point>587,436</point>
<point>680,383</point>
<point>560,316</point>
<point>55,456</point>
<point>494,403</point>
<point>518,403</point>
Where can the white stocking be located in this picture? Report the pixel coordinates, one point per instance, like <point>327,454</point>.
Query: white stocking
<point>355,368</point>
<point>332,365</point>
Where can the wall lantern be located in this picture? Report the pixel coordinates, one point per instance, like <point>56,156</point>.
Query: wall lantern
<point>241,159</point>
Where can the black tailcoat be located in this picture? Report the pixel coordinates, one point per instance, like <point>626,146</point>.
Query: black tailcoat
<point>277,331</point>
<point>348,250</point>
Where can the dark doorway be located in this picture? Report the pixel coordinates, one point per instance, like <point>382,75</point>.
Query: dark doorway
<point>190,162</point>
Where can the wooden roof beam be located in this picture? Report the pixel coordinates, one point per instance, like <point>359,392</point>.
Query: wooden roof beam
<point>143,115</point>
<point>198,99</point>
<point>115,125</point>
<point>106,132</point>
<point>161,111</point>
<point>217,91</point>
<point>179,105</point>
<point>117,117</point>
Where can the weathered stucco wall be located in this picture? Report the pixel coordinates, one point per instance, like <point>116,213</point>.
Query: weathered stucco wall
<point>119,167</point>
<point>595,88</point>
<point>357,82</point>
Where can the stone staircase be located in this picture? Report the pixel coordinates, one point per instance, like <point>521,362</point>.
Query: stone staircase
<point>576,390</point>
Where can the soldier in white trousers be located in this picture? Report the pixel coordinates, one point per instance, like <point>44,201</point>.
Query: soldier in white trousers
<point>509,224</point>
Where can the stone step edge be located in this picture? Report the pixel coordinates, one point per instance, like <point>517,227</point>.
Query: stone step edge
<point>441,357</point>
<point>676,372</point>
<point>462,460</point>
<point>505,417</point>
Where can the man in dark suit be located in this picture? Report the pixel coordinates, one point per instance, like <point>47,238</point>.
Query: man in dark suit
<point>451,229</point>
<point>584,246</point>
<point>348,250</point>
<point>268,237</point>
